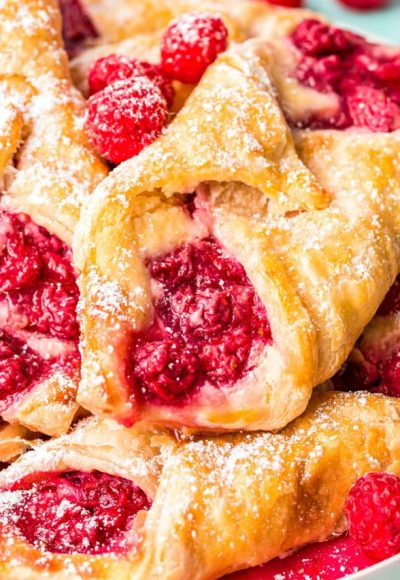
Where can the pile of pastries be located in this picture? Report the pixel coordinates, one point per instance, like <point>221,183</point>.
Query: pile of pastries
<point>199,303</point>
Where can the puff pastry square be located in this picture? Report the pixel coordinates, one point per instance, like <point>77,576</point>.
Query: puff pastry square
<point>224,272</point>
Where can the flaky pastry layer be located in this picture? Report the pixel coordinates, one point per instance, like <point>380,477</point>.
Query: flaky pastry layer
<point>47,166</point>
<point>320,252</point>
<point>219,504</point>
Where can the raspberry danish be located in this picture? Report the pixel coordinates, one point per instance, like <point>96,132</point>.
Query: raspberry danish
<point>200,508</point>
<point>48,169</point>
<point>220,280</point>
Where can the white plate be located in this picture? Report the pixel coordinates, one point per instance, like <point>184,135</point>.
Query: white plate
<point>386,570</point>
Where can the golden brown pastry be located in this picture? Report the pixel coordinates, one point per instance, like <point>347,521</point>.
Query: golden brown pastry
<point>15,440</point>
<point>220,280</point>
<point>54,168</point>
<point>124,19</point>
<point>213,505</point>
<point>125,31</point>
<point>48,169</point>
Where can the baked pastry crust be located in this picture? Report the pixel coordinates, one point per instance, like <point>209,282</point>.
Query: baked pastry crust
<point>320,266</point>
<point>224,503</point>
<point>15,440</point>
<point>56,168</point>
<point>47,166</point>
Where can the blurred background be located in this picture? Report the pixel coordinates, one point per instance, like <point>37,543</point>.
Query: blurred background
<point>384,23</point>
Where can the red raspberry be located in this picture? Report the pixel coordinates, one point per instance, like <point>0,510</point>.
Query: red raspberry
<point>390,372</point>
<point>371,108</point>
<point>190,44</point>
<point>373,514</point>
<point>109,69</point>
<point>287,3</point>
<point>320,74</point>
<point>166,368</point>
<point>365,4</point>
<point>126,117</point>
<point>77,28</point>
<point>76,511</point>
<point>391,302</point>
<point>54,310</point>
<point>115,67</point>
<point>19,365</point>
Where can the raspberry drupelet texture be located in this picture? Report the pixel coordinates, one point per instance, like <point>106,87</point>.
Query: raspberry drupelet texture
<point>125,117</point>
<point>19,365</point>
<point>190,44</point>
<point>365,4</point>
<point>373,514</point>
<point>208,321</point>
<point>38,299</point>
<point>374,373</point>
<point>363,76</point>
<point>115,67</point>
<point>75,511</point>
<point>287,3</point>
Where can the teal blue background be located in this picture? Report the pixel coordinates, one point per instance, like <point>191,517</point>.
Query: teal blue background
<point>386,25</point>
<point>383,23</point>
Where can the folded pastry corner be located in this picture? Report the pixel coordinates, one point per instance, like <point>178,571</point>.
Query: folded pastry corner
<point>220,279</point>
<point>195,509</point>
<point>15,440</point>
<point>48,169</point>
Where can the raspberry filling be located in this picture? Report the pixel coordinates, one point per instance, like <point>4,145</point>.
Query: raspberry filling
<point>364,77</point>
<point>125,117</point>
<point>377,373</point>
<point>19,365</point>
<point>373,514</point>
<point>209,324</point>
<point>38,300</point>
<point>74,511</point>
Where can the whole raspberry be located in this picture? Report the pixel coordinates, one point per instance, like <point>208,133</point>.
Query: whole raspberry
<point>190,44</point>
<point>115,67</point>
<point>365,4</point>
<point>373,514</point>
<point>125,117</point>
<point>167,369</point>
